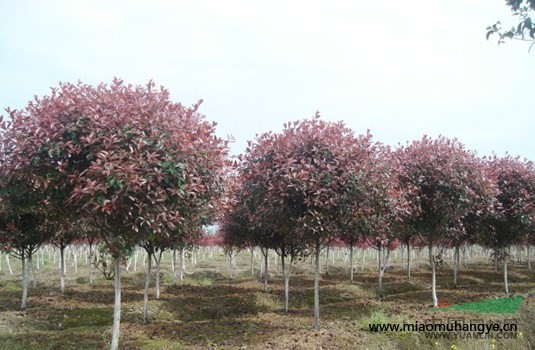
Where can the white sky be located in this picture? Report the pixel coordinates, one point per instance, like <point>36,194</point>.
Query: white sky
<point>399,68</point>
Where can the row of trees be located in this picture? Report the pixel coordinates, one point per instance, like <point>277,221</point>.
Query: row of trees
<point>315,182</point>
<point>124,166</point>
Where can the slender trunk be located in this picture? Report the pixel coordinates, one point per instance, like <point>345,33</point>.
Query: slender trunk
<point>158,273</point>
<point>42,258</point>
<point>433,274</point>
<point>117,306</point>
<point>402,250</point>
<point>265,269</point>
<point>30,266</point>
<point>9,265</point>
<point>128,263</point>
<point>90,264</point>
<point>252,261</point>
<point>363,258</point>
<point>173,266</point>
<point>24,282</point>
<point>380,272</point>
<point>464,255</point>
<point>351,263</point>
<point>37,264</point>
<point>261,270</point>
<point>283,264</point>
<point>327,250</point>
<point>62,268</point>
<point>505,281</point>
<point>75,260</point>
<point>408,261</point>
<point>529,257</point>
<point>317,287</point>
<point>231,259</point>
<point>456,265</point>
<point>287,275</point>
<point>0,261</point>
<point>135,259</point>
<point>146,292</point>
<point>182,263</point>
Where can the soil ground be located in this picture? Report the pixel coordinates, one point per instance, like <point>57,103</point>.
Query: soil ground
<point>216,307</point>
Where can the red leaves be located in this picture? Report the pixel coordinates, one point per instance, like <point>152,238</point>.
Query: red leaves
<point>512,214</point>
<point>297,180</point>
<point>442,183</point>
<point>109,142</point>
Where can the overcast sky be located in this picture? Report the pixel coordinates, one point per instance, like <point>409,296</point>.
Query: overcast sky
<point>399,68</point>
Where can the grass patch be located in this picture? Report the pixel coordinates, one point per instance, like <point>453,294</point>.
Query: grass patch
<point>205,281</point>
<point>375,317</point>
<point>11,286</point>
<point>495,306</point>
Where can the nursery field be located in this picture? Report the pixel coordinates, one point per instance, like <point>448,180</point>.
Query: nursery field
<point>217,307</point>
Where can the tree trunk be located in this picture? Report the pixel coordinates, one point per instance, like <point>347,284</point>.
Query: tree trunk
<point>173,266</point>
<point>351,273</point>
<point>317,287</point>
<point>30,265</point>
<point>128,263</point>
<point>434,276</point>
<point>327,251</point>
<point>24,282</point>
<point>265,269</point>
<point>62,268</point>
<point>9,265</point>
<point>529,257</point>
<point>252,261</point>
<point>363,258</point>
<point>464,255</point>
<point>505,281</point>
<point>402,250</point>
<point>75,260</point>
<point>90,264</point>
<point>37,264</point>
<point>136,253</point>
<point>117,306</point>
<point>158,273</point>
<point>231,260</point>
<point>146,292</point>
<point>456,264</point>
<point>380,273</point>
<point>408,261</point>
<point>182,263</point>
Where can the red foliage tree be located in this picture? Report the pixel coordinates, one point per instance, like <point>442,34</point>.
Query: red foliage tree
<point>442,182</point>
<point>124,155</point>
<point>511,218</point>
<point>297,179</point>
<point>25,223</point>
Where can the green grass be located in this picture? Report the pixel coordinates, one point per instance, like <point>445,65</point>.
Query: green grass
<point>495,306</point>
